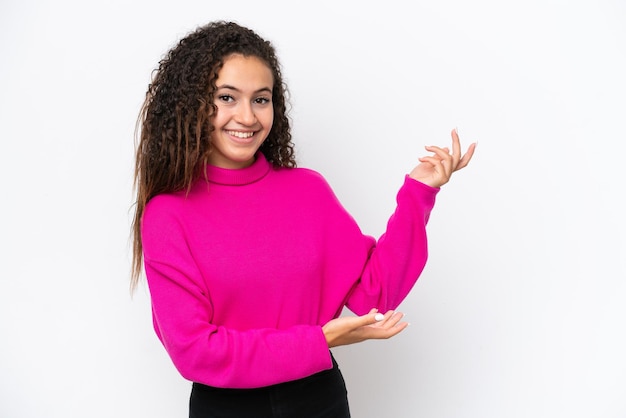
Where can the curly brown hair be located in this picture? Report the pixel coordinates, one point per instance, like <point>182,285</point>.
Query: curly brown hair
<point>175,121</point>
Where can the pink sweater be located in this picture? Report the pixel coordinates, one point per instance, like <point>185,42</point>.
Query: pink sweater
<point>245,270</point>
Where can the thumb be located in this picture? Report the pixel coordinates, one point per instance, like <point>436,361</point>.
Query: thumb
<point>371,318</point>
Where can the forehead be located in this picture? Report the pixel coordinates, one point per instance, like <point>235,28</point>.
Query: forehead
<point>239,71</point>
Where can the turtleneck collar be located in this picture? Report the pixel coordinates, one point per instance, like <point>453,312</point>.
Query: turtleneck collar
<point>239,177</point>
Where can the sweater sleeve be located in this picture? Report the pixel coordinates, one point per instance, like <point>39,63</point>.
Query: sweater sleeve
<point>202,351</point>
<point>395,261</point>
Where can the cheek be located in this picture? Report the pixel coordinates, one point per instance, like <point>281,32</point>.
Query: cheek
<point>268,119</point>
<point>219,118</point>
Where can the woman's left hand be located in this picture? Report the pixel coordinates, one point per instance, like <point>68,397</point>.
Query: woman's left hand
<point>436,170</point>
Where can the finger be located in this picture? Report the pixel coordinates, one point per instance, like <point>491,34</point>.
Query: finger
<point>438,168</point>
<point>390,326</point>
<point>370,318</point>
<point>393,318</point>
<point>441,166</point>
<point>456,145</point>
<point>397,329</point>
<point>434,160</point>
<point>443,153</point>
<point>466,157</point>
<point>395,326</point>
<point>447,159</point>
<point>384,318</point>
<point>464,161</point>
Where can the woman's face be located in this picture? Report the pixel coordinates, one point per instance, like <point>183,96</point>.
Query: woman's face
<point>245,111</point>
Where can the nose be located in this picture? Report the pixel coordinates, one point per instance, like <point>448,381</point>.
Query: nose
<point>246,115</point>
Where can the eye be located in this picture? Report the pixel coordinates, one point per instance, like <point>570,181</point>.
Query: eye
<point>226,98</point>
<point>262,100</point>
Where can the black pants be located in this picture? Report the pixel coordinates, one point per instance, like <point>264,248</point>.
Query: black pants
<point>322,395</point>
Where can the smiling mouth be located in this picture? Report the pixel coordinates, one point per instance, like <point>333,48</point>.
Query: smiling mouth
<point>241,135</point>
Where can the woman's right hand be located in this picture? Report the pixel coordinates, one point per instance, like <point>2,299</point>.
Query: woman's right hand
<point>436,170</point>
<point>355,329</point>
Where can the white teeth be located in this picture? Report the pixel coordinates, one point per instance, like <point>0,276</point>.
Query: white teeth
<point>241,135</point>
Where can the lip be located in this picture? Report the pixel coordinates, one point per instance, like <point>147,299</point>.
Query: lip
<point>240,139</point>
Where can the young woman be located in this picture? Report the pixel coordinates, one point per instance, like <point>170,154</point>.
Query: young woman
<point>249,259</point>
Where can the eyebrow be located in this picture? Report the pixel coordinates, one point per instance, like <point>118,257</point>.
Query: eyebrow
<point>229,87</point>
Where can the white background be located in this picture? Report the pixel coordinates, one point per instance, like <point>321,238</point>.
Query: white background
<point>521,310</point>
